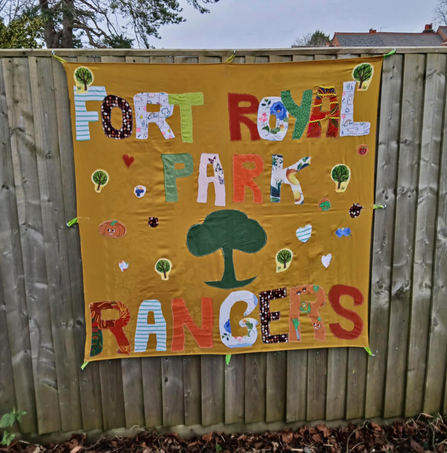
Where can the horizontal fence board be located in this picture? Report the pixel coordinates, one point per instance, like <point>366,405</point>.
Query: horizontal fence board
<point>42,322</point>
<point>224,53</point>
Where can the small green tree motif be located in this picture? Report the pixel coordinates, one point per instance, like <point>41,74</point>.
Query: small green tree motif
<point>284,257</point>
<point>84,75</point>
<point>100,178</point>
<point>340,173</point>
<point>163,266</point>
<point>362,73</point>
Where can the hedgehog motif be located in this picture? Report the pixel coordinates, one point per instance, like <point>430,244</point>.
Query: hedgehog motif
<point>355,210</point>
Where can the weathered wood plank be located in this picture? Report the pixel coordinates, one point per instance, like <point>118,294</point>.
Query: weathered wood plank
<point>383,232</point>
<point>213,386</point>
<point>276,386</point>
<point>316,384</point>
<point>55,241</point>
<point>7,393</point>
<point>153,404</point>
<point>12,272</point>
<point>255,385</point>
<point>235,389</point>
<point>130,59</point>
<point>437,347</point>
<point>405,214</point>
<point>208,60</point>
<point>280,58</point>
<point>296,386</point>
<point>172,378</point>
<point>303,57</point>
<point>133,392</point>
<point>192,390</point>
<point>432,128</point>
<point>9,53</point>
<point>317,360</point>
<point>21,123</point>
<point>357,359</point>
<point>356,385</point>
<point>164,60</point>
<point>89,377</point>
<point>112,406</point>
<point>186,60</point>
<point>112,396</point>
<point>336,384</point>
<point>261,59</point>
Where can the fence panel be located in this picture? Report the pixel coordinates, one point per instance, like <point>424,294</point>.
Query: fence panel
<point>42,325</point>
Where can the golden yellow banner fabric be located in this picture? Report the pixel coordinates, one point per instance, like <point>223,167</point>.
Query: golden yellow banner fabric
<point>225,208</point>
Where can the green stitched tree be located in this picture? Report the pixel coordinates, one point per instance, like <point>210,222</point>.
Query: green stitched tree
<point>226,230</point>
<point>100,178</point>
<point>340,173</point>
<point>84,76</point>
<point>163,266</point>
<point>362,73</point>
<point>284,256</point>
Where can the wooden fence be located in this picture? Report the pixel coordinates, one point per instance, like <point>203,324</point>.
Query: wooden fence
<point>42,327</point>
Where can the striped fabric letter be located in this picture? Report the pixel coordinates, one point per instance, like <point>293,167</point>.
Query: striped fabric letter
<point>144,329</point>
<point>82,116</point>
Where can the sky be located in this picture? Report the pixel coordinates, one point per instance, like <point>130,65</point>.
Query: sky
<point>242,24</point>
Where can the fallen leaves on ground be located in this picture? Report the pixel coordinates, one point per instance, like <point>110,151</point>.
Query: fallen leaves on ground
<point>421,435</point>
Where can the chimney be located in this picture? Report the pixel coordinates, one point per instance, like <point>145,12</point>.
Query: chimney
<point>371,30</point>
<point>428,28</point>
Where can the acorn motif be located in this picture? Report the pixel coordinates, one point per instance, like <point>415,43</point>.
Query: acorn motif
<point>153,222</point>
<point>355,210</point>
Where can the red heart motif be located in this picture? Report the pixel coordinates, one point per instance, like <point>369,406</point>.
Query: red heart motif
<point>128,160</point>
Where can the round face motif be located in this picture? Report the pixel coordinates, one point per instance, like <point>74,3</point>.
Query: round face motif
<point>112,229</point>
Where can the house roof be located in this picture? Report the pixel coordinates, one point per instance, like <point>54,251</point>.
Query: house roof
<point>388,39</point>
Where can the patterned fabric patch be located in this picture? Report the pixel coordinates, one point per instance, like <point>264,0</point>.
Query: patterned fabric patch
<point>304,233</point>
<point>355,210</point>
<point>317,115</point>
<point>82,116</point>
<point>144,329</point>
<point>300,113</point>
<point>265,297</point>
<point>348,127</point>
<point>272,106</point>
<point>249,323</point>
<point>143,118</point>
<point>107,105</point>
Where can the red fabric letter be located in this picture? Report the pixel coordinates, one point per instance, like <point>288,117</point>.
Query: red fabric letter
<point>244,177</point>
<point>333,115</point>
<point>335,294</point>
<point>181,315</point>
<point>237,115</point>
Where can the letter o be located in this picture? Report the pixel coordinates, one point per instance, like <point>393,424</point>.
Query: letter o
<point>107,105</point>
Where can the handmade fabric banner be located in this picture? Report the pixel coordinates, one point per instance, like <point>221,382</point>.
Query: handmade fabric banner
<point>225,208</point>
